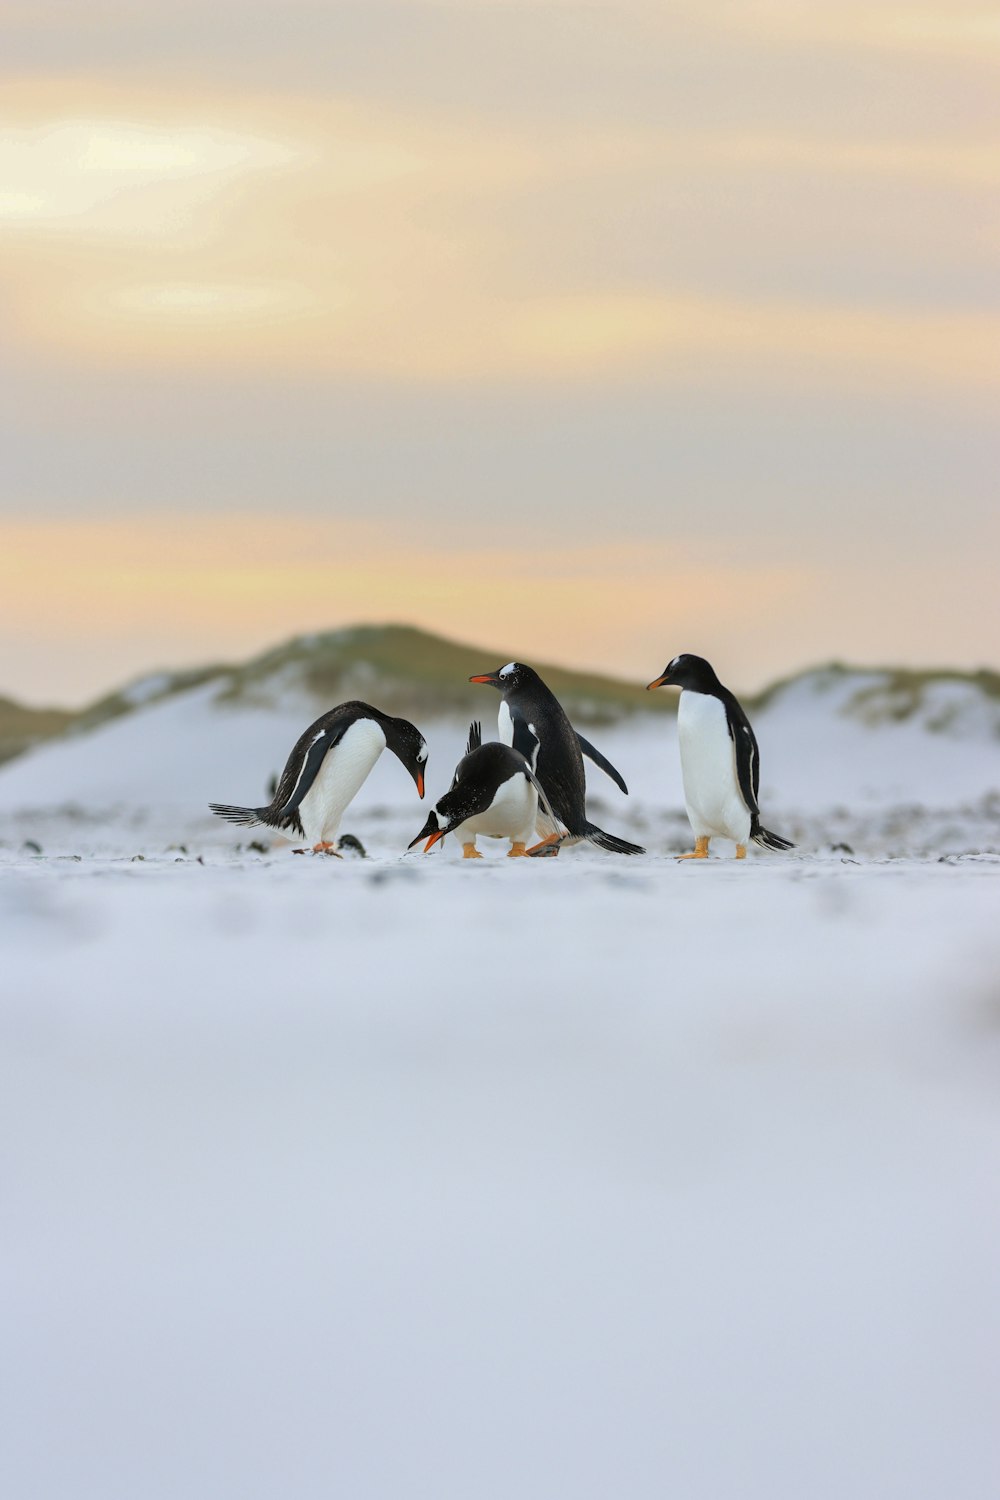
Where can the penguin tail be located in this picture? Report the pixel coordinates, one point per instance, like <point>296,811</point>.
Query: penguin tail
<point>609,841</point>
<point>248,817</point>
<point>768,840</point>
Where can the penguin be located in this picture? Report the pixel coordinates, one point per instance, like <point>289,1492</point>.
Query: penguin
<point>325,770</point>
<point>720,761</point>
<point>494,792</point>
<point>533,721</point>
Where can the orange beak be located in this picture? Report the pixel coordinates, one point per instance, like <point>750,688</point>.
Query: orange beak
<point>658,683</point>
<point>486,677</point>
<point>432,841</point>
<point>420,785</point>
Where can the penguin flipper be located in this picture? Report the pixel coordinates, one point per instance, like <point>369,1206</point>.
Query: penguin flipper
<point>323,743</point>
<point>475,737</point>
<point>601,762</point>
<point>524,738</point>
<point>747,753</point>
<point>543,800</point>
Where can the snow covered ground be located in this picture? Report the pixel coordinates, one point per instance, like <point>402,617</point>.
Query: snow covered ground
<point>559,1180</point>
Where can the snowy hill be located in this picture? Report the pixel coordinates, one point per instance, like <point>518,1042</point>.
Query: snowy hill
<point>960,705</point>
<point>404,670</point>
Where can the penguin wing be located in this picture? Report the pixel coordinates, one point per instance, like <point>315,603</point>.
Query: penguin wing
<point>587,749</point>
<point>747,754</point>
<point>543,801</point>
<point>524,737</point>
<point>475,737</point>
<point>320,745</point>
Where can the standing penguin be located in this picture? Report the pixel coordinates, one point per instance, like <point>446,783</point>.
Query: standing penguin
<point>533,721</point>
<point>494,792</point>
<point>720,762</point>
<point>326,769</point>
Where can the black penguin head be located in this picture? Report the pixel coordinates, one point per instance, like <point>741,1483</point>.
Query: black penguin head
<point>461,799</point>
<point>408,744</point>
<point>687,671</point>
<point>508,679</point>
<point>433,830</point>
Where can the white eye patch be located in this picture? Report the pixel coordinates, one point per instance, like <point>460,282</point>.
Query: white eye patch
<point>422,754</point>
<point>506,671</point>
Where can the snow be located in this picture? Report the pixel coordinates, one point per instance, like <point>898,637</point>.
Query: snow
<point>511,1180</point>
<point>146,688</point>
<point>590,1177</point>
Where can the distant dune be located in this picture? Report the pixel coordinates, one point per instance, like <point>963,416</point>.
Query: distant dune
<point>404,670</point>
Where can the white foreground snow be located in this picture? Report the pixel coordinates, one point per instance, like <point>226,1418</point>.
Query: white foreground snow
<point>578,1179</point>
<point>582,1178</point>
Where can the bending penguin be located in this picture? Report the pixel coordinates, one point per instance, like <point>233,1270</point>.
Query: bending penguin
<point>326,769</point>
<point>494,792</point>
<point>720,761</point>
<point>533,721</point>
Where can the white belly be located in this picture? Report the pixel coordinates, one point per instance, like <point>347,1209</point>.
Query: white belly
<point>708,767</point>
<point>338,780</point>
<point>505,724</point>
<point>512,815</point>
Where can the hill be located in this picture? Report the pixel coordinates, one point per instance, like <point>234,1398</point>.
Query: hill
<point>411,672</point>
<point>401,669</point>
<point>22,727</point>
<point>956,704</point>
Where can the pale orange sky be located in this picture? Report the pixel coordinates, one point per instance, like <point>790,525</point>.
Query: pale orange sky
<point>593,331</point>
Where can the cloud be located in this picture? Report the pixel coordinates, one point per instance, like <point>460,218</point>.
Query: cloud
<point>689,335</point>
<point>109,180</point>
<point>326,236</point>
<point>958,29</point>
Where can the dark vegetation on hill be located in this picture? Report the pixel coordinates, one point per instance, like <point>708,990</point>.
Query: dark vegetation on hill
<point>21,727</point>
<point>412,672</point>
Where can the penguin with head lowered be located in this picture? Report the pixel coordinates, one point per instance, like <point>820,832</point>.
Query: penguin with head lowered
<point>533,721</point>
<point>720,761</point>
<point>326,769</point>
<point>494,792</point>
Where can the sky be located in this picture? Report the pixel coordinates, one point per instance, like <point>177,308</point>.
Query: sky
<point>593,332</point>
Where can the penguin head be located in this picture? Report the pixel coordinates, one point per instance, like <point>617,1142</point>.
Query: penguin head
<point>457,803</point>
<point>508,679</point>
<point>687,671</point>
<point>433,830</point>
<point>409,746</point>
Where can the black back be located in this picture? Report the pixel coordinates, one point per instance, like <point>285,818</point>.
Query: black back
<point>478,776</point>
<point>747,751</point>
